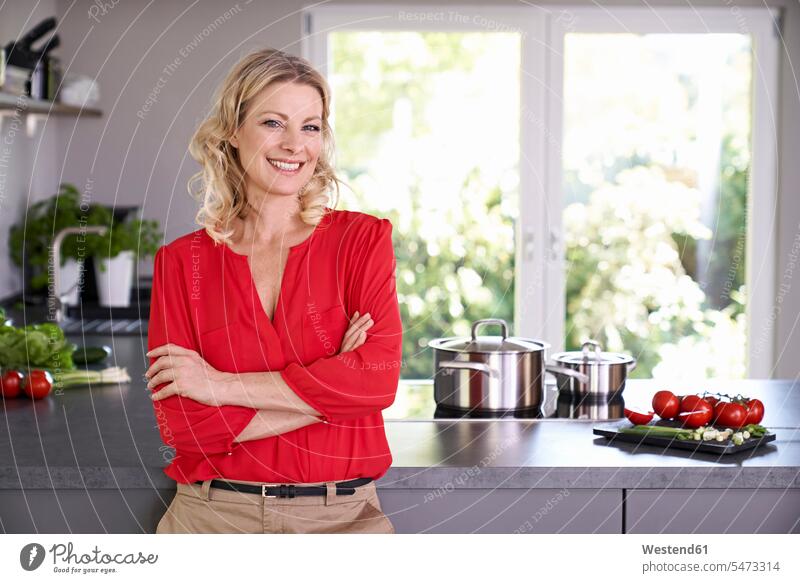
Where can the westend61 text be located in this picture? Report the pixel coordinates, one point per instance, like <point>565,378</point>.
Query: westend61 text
<point>670,550</point>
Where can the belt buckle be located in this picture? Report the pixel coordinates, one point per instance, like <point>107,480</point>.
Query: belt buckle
<point>264,491</point>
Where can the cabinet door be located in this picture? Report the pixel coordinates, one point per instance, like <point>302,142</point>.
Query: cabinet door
<point>762,510</point>
<point>132,511</point>
<point>506,510</point>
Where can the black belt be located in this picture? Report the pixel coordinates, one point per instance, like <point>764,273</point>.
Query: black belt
<point>290,490</point>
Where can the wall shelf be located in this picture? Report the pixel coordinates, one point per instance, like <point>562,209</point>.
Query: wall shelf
<point>26,105</point>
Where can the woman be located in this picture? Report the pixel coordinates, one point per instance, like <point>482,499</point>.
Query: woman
<point>275,333</point>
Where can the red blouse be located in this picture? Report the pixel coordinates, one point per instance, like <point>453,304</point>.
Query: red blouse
<point>204,298</point>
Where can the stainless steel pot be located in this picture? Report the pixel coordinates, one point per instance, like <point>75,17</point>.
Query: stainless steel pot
<point>492,373</point>
<point>606,372</point>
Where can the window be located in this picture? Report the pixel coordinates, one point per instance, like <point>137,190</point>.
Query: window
<point>427,125</point>
<point>666,186</point>
<point>583,172</point>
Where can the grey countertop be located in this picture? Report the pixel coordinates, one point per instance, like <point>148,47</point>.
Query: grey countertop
<point>106,438</point>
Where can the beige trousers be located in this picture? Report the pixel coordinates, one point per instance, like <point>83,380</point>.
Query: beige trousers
<point>201,509</point>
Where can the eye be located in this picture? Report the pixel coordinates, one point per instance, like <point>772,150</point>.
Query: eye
<point>273,123</point>
<point>313,128</point>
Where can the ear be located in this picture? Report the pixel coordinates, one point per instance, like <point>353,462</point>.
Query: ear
<point>234,141</point>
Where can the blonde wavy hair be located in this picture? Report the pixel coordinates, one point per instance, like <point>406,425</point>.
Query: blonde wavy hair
<point>219,185</point>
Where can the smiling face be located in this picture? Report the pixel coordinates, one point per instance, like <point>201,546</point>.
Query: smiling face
<point>280,139</point>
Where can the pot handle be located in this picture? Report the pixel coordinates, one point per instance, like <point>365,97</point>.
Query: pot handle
<point>578,376</point>
<point>594,344</point>
<point>498,321</point>
<point>449,365</point>
<point>632,365</point>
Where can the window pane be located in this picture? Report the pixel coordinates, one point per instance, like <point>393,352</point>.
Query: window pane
<point>427,132</point>
<point>656,159</point>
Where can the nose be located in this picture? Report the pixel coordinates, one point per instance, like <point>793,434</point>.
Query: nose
<point>291,142</point>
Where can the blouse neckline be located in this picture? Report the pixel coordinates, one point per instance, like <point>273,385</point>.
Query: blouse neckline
<point>325,218</point>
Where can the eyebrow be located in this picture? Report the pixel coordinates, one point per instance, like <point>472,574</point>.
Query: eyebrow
<point>284,116</point>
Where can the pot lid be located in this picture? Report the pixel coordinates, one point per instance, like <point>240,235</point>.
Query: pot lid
<point>592,354</point>
<point>484,344</point>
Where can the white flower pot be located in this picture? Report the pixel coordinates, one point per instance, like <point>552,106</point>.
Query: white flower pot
<point>70,280</point>
<point>114,284</point>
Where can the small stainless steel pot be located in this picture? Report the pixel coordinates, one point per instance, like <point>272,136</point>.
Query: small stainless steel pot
<point>492,373</point>
<point>606,372</point>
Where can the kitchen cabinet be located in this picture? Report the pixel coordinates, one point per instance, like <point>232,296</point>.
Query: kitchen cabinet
<point>503,510</point>
<point>762,510</point>
<point>93,510</point>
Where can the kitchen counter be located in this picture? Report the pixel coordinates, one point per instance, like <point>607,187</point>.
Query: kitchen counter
<point>103,443</point>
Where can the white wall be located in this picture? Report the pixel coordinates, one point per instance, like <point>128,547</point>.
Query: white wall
<point>27,163</point>
<point>142,160</point>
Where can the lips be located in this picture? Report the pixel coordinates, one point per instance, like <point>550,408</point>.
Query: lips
<point>288,167</point>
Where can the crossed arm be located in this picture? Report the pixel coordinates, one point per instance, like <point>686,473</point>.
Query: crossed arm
<point>279,408</point>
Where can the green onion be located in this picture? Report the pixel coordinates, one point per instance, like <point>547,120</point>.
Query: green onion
<point>80,378</point>
<point>659,431</point>
<point>755,430</point>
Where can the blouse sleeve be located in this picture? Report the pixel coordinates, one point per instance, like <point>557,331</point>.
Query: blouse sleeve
<point>362,381</point>
<point>185,424</point>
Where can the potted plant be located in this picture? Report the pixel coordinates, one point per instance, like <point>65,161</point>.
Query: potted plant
<point>116,253</point>
<point>30,239</point>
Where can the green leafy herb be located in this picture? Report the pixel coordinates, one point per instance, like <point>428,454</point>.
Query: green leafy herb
<point>143,237</point>
<point>30,239</point>
<point>35,346</point>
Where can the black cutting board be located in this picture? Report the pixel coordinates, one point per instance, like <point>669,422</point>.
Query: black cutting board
<point>611,432</point>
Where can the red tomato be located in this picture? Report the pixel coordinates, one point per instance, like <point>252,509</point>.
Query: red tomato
<point>695,412</point>
<point>755,411</point>
<point>38,384</point>
<point>711,400</point>
<point>689,402</point>
<point>666,405</point>
<point>694,419</point>
<point>730,414</point>
<point>638,418</point>
<point>10,384</point>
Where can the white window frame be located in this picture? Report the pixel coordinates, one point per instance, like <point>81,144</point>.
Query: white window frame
<point>530,313</point>
<point>540,284</point>
<point>761,256</point>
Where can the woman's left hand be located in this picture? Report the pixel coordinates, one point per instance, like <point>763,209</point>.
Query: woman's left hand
<point>186,372</point>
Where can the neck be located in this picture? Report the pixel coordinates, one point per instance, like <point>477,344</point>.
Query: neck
<point>271,217</point>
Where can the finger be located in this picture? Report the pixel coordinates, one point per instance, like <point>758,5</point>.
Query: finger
<point>169,349</point>
<point>162,377</point>
<point>364,325</point>
<point>163,363</point>
<point>354,317</point>
<point>362,338</point>
<point>353,328</point>
<point>157,366</point>
<point>349,341</point>
<point>353,333</point>
<point>360,324</point>
<point>348,335</point>
<point>168,391</point>
<point>359,320</point>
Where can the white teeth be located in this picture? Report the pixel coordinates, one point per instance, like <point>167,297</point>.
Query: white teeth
<point>284,165</point>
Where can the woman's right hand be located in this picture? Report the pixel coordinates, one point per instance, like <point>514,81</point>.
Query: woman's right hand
<point>356,334</point>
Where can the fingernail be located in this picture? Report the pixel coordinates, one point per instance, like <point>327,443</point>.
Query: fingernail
<point>367,315</point>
